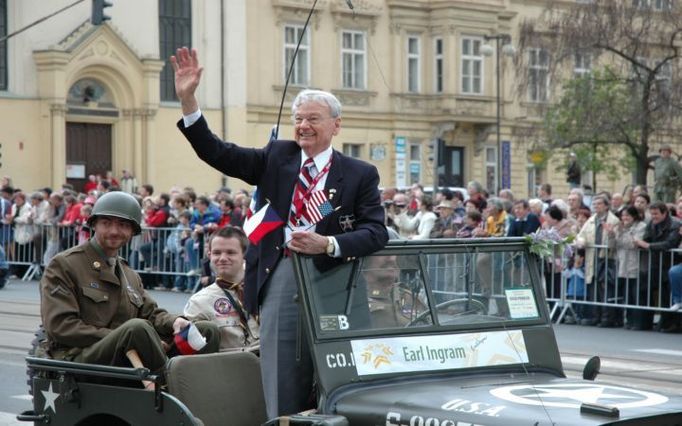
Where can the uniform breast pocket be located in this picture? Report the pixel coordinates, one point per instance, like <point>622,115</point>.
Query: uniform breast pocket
<point>135,298</point>
<point>95,306</point>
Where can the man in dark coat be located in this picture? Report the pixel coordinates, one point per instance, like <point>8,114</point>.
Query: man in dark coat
<point>661,234</point>
<point>286,173</point>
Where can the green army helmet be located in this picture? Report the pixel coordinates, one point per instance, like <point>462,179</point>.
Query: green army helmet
<point>118,204</point>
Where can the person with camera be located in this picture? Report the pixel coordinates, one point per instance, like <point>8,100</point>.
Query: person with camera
<point>397,212</point>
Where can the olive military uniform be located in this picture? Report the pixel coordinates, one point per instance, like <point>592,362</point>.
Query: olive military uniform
<point>392,306</point>
<point>95,309</point>
<point>667,178</point>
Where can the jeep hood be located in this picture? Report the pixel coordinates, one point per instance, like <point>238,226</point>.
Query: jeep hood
<point>538,399</point>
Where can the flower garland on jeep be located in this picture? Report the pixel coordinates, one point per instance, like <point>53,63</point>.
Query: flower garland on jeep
<point>546,242</point>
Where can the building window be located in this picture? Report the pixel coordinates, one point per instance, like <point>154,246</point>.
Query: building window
<point>3,45</point>
<point>353,54</point>
<point>415,163</point>
<point>300,75</point>
<point>472,66</point>
<point>413,64</point>
<point>655,4</point>
<point>662,4</point>
<point>491,169</point>
<point>352,150</point>
<point>583,64</point>
<point>538,69</point>
<point>175,28</point>
<point>438,65</point>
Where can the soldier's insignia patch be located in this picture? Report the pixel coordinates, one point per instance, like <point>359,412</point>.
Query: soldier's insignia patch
<point>347,222</point>
<point>94,285</point>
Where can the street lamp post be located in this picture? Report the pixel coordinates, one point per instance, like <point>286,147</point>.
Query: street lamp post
<point>503,41</point>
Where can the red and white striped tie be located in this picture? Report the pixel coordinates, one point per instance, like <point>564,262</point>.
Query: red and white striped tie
<point>297,216</point>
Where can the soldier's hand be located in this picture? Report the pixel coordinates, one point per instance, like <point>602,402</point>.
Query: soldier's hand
<point>179,324</point>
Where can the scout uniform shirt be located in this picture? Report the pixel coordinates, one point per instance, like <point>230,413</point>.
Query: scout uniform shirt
<point>83,300</point>
<point>211,304</point>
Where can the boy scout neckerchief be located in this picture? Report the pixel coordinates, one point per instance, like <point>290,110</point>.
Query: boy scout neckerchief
<point>243,316</point>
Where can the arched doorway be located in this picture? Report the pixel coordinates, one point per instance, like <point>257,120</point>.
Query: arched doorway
<point>88,143</point>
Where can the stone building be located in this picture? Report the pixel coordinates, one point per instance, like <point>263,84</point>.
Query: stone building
<point>419,95</point>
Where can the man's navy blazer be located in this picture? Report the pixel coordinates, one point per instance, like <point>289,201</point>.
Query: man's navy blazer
<point>353,187</point>
<point>519,228</point>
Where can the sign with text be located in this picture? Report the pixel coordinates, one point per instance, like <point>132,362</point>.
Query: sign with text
<point>441,352</point>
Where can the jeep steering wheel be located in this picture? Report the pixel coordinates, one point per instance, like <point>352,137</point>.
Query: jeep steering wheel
<point>478,307</point>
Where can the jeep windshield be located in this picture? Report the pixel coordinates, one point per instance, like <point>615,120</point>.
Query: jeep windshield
<point>416,309</point>
<point>412,287</point>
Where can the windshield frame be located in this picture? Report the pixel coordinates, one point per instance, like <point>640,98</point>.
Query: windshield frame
<point>302,267</point>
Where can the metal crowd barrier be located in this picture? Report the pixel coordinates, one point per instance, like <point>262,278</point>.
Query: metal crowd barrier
<point>643,286</point>
<point>161,251</point>
<point>175,253</point>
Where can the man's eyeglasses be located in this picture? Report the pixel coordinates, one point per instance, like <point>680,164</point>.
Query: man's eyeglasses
<point>313,120</point>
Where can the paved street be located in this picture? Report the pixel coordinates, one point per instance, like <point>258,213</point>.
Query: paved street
<point>645,360</point>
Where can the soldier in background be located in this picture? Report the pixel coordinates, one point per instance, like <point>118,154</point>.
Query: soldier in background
<point>667,176</point>
<point>573,172</point>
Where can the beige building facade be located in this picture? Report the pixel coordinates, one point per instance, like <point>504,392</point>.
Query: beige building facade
<point>419,96</point>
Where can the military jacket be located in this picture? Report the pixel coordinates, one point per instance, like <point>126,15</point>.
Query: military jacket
<point>667,173</point>
<point>393,306</point>
<point>83,300</point>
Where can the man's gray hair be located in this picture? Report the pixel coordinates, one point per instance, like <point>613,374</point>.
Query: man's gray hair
<point>319,96</point>
<point>578,191</point>
<point>496,203</point>
<point>475,185</point>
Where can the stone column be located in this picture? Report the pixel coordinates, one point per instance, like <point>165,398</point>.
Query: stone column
<point>58,144</point>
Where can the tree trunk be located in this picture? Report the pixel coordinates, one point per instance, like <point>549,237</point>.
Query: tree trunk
<point>642,167</point>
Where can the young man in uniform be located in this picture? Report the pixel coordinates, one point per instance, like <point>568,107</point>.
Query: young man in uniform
<point>93,305</point>
<point>222,301</point>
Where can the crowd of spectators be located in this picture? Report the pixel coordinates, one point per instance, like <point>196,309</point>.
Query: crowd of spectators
<point>35,226</point>
<point>622,241</point>
<point>621,253</point>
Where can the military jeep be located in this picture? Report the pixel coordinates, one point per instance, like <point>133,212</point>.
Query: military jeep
<point>432,333</point>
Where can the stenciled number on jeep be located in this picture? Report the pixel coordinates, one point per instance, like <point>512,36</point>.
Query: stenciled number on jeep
<point>394,419</point>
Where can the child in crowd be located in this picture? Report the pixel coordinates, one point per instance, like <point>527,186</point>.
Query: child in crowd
<point>575,279</point>
<point>82,224</point>
<point>175,244</point>
<point>472,220</point>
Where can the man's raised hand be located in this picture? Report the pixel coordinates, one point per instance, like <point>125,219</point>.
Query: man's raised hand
<point>187,77</point>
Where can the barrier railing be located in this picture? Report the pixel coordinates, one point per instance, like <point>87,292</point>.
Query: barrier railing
<point>622,278</point>
<point>161,251</point>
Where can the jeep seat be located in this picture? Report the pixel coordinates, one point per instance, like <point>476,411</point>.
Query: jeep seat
<point>220,388</point>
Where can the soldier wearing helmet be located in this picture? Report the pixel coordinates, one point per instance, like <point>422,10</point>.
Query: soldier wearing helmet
<point>93,305</point>
<point>667,176</point>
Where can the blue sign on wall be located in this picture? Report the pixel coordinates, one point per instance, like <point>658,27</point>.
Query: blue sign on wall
<point>506,164</point>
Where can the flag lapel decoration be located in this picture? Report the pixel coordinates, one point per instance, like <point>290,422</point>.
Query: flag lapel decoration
<point>253,206</point>
<point>318,207</point>
<point>189,341</point>
<point>262,223</point>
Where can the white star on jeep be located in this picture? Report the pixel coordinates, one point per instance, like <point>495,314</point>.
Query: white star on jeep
<point>50,397</point>
<point>591,394</point>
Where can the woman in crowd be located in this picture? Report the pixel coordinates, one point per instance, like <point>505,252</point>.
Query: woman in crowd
<point>424,220</point>
<point>631,228</point>
<point>554,219</point>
